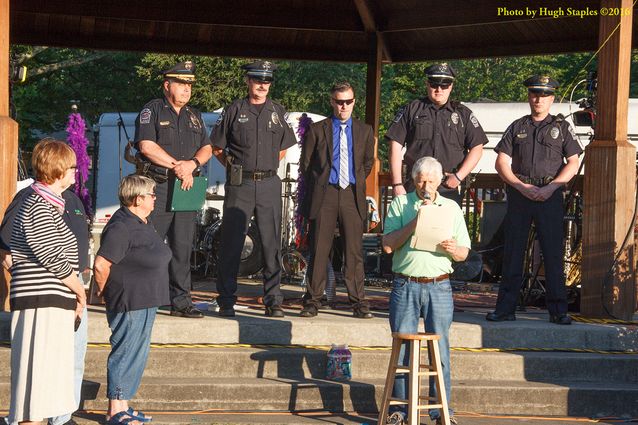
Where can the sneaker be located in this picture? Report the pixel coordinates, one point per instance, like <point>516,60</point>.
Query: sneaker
<point>395,418</point>
<point>453,421</point>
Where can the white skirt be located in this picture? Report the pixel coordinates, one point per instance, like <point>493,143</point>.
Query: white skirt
<point>41,364</point>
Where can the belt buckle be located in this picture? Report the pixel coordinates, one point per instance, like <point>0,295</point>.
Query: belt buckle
<point>258,176</point>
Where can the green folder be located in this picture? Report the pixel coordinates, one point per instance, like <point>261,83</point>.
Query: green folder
<point>189,200</point>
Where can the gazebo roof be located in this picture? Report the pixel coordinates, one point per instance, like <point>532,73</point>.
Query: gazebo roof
<point>326,30</point>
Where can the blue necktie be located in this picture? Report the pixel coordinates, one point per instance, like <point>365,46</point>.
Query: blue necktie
<point>344,171</point>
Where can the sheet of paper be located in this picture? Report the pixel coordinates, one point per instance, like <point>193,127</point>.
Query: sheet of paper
<point>433,226</point>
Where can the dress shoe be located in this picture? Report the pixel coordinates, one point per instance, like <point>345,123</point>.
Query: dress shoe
<point>308,311</point>
<point>453,421</point>
<point>189,312</point>
<point>500,317</point>
<point>362,312</point>
<point>274,311</point>
<point>560,319</point>
<point>226,312</point>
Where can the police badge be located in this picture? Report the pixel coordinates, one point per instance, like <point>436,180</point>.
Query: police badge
<point>275,118</point>
<point>195,121</point>
<point>554,133</point>
<point>455,118</point>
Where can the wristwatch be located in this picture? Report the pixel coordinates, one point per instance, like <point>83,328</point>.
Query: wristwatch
<point>197,163</point>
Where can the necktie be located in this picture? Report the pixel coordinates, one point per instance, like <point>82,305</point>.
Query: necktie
<point>344,172</point>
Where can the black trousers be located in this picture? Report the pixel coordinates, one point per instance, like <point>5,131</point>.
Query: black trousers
<point>339,205</point>
<point>548,219</point>
<point>179,229</point>
<point>263,200</point>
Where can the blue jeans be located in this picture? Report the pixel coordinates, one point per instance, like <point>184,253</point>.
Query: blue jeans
<point>409,301</point>
<point>130,343</point>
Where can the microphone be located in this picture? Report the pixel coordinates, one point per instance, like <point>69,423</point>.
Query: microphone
<point>427,197</point>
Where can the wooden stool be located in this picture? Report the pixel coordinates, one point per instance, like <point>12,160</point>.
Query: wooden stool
<point>415,371</point>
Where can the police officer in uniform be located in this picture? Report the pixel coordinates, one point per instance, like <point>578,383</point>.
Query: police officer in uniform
<point>438,127</point>
<point>537,156</point>
<point>248,139</point>
<point>171,138</point>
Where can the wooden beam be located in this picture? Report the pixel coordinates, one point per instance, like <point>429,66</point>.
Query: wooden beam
<point>373,108</point>
<point>370,26</point>
<point>242,13</point>
<point>8,138</point>
<point>610,180</point>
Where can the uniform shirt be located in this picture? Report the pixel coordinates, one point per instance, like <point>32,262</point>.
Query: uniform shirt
<point>336,151</point>
<point>537,149</point>
<point>414,262</point>
<point>446,133</point>
<point>181,136</point>
<point>140,258</point>
<point>74,217</point>
<point>254,139</point>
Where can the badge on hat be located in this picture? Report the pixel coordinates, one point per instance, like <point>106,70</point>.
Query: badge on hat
<point>184,72</point>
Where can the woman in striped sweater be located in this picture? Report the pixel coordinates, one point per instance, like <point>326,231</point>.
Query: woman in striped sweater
<point>46,295</point>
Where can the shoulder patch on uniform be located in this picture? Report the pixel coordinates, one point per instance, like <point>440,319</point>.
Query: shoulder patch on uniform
<point>572,132</point>
<point>220,118</point>
<point>474,121</point>
<point>145,116</point>
<point>399,114</point>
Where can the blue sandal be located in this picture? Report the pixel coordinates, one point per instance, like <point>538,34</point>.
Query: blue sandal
<point>120,418</point>
<point>140,416</point>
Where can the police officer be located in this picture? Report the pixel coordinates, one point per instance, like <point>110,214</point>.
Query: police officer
<point>537,156</point>
<point>248,139</point>
<point>172,140</point>
<point>438,127</point>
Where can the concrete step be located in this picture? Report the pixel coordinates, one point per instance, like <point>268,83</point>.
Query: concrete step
<point>469,329</point>
<point>299,363</point>
<point>281,394</point>
<point>319,417</point>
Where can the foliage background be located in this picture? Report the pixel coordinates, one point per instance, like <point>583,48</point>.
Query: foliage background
<point>102,81</point>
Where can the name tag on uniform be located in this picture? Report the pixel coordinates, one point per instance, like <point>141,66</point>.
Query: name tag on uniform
<point>165,123</point>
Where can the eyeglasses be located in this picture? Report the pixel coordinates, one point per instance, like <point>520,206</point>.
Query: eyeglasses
<point>152,195</point>
<point>73,167</point>
<point>444,86</point>
<point>342,102</point>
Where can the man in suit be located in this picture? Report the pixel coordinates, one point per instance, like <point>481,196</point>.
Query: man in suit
<point>336,158</point>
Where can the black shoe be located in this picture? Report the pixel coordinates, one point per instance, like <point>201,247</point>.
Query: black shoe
<point>189,312</point>
<point>500,317</point>
<point>71,422</point>
<point>226,312</point>
<point>308,311</point>
<point>453,421</point>
<point>560,319</point>
<point>274,311</point>
<point>362,312</point>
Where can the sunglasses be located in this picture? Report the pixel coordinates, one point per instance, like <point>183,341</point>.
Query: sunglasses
<point>342,102</point>
<point>441,86</point>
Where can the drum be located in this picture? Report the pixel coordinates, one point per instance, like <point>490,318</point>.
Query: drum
<point>251,256</point>
<point>207,216</point>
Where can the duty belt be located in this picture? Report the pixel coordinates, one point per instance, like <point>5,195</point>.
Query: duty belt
<point>424,279</point>
<point>538,181</point>
<point>257,175</point>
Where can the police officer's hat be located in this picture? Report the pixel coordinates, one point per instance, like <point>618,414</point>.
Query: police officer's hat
<point>542,84</point>
<point>260,70</point>
<point>183,72</point>
<point>440,73</point>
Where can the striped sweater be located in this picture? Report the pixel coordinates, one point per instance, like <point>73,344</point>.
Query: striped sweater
<point>44,251</point>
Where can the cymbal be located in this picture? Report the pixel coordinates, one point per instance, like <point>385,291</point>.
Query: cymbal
<point>214,197</point>
<point>289,180</point>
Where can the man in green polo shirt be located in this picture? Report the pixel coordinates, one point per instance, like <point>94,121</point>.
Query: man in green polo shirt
<point>421,286</point>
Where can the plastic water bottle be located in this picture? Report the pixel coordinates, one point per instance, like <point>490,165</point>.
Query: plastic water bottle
<point>339,366</point>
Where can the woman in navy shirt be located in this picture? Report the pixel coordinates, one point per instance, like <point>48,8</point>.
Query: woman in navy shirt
<point>130,271</point>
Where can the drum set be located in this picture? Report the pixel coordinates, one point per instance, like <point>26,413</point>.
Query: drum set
<point>207,240</point>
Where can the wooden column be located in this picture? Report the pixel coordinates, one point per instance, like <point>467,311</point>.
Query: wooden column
<point>8,137</point>
<point>610,180</point>
<point>373,107</point>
